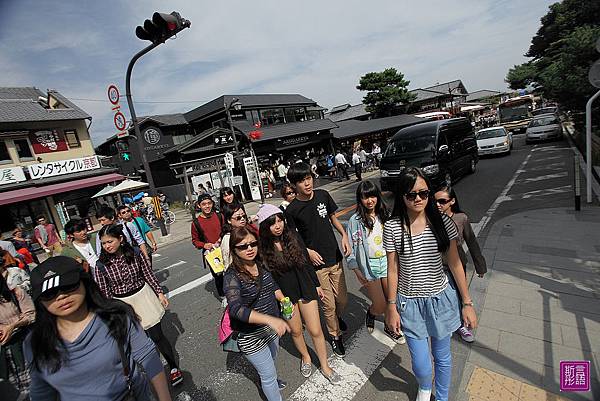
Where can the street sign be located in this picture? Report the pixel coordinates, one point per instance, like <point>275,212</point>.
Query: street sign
<point>228,160</point>
<point>222,139</point>
<point>119,118</point>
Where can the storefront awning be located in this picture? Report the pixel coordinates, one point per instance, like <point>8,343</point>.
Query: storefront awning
<point>24,194</point>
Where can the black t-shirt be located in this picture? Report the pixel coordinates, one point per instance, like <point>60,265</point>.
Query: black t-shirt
<point>311,219</point>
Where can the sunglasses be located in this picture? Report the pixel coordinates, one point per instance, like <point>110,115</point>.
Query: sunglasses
<point>53,293</point>
<point>412,196</point>
<point>238,218</point>
<point>442,201</point>
<point>243,247</point>
<point>290,193</point>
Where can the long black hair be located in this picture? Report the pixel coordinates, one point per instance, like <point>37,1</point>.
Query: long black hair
<point>226,191</point>
<point>405,184</point>
<point>48,348</point>
<point>6,295</point>
<point>293,255</point>
<point>366,189</point>
<point>228,210</point>
<point>115,231</point>
<point>450,191</point>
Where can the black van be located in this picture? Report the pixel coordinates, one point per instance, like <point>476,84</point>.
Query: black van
<point>443,149</point>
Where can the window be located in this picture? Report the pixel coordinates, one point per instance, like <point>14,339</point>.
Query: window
<point>4,155</point>
<point>314,115</point>
<point>271,116</point>
<point>294,114</point>
<point>72,138</point>
<point>23,149</point>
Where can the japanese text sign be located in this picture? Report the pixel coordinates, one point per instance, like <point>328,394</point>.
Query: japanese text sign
<point>11,175</point>
<point>52,169</point>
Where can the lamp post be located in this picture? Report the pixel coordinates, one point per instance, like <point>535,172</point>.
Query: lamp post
<point>236,105</point>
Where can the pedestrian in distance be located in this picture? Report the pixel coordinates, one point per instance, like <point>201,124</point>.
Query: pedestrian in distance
<point>285,256</point>
<point>82,342</point>
<point>312,213</point>
<point>17,313</point>
<point>23,244</point>
<point>357,165</point>
<point>447,203</point>
<point>252,297</point>
<point>81,245</point>
<point>341,165</point>
<point>107,216</point>
<point>420,299</point>
<point>288,193</point>
<point>126,215</point>
<point>127,276</point>
<point>368,257</point>
<point>47,236</point>
<point>234,216</point>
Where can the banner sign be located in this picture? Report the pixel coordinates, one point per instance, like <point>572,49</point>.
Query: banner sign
<point>52,169</point>
<point>11,175</point>
<point>253,179</point>
<point>47,141</point>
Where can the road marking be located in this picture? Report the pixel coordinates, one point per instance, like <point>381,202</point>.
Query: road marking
<point>156,254</point>
<point>540,192</point>
<point>190,286</point>
<point>345,210</point>
<point>364,354</point>
<point>551,166</point>
<point>543,177</point>
<point>181,262</point>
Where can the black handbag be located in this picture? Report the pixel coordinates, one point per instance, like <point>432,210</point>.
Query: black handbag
<point>129,395</point>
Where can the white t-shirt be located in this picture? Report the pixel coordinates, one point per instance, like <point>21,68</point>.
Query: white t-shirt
<point>375,240</point>
<point>88,253</point>
<point>355,158</point>
<point>340,159</point>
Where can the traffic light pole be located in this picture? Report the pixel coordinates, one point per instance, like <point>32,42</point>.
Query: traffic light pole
<point>136,128</point>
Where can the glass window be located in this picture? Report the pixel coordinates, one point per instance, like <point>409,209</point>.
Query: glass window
<point>290,115</point>
<point>4,155</point>
<point>72,138</point>
<point>271,116</point>
<point>314,115</point>
<point>23,149</point>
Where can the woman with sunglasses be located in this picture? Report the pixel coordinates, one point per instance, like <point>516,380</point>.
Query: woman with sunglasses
<point>284,255</point>
<point>288,193</point>
<point>252,295</point>
<point>75,346</point>
<point>447,203</point>
<point>367,258</point>
<point>420,299</point>
<point>235,216</point>
<point>127,276</point>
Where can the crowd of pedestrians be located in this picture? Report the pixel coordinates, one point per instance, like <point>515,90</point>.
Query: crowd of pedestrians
<point>97,308</point>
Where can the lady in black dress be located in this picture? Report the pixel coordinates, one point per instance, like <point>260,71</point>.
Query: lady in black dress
<point>285,257</point>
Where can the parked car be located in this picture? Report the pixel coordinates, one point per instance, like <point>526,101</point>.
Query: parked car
<point>443,149</point>
<point>543,127</point>
<point>545,110</point>
<point>494,140</point>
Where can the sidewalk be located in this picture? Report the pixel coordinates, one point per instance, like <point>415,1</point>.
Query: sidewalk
<point>538,305</point>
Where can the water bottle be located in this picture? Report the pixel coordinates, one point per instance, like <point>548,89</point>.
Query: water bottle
<point>287,308</point>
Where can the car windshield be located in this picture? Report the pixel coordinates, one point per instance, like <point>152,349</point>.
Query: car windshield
<point>545,110</point>
<point>539,122</point>
<point>408,145</point>
<point>492,133</point>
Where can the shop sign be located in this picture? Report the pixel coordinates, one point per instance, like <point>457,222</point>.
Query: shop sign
<point>294,141</point>
<point>223,139</point>
<point>253,178</point>
<point>61,167</point>
<point>11,175</point>
<point>47,141</point>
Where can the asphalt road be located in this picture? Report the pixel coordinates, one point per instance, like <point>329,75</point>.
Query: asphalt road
<point>531,177</point>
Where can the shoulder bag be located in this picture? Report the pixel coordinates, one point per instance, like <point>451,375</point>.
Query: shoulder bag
<point>129,395</point>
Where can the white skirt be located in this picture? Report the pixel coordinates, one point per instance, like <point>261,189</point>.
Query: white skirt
<point>146,305</point>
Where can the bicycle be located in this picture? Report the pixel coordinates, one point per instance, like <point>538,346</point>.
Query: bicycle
<point>168,216</point>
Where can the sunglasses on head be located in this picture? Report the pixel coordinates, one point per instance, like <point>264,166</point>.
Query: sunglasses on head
<point>243,247</point>
<point>238,218</point>
<point>412,196</point>
<point>50,294</point>
<point>442,201</point>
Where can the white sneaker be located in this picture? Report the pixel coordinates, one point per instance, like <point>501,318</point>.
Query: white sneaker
<point>424,395</point>
<point>223,302</point>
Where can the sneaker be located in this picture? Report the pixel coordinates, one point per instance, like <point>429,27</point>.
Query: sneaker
<point>281,384</point>
<point>399,338</point>
<point>338,347</point>
<point>176,376</point>
<point>223,302</point>
<point>466,334</point>
<point>343,325</point>
<point>370,321</point>
<point>334,377</point>
<point>305,369</point>
<point>423,395</point>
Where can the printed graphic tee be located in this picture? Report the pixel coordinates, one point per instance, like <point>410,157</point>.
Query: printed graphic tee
<point>375,241</point>
<point>311,219</point>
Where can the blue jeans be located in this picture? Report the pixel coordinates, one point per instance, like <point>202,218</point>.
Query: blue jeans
<point>264,362</point>
<point>442,361</point>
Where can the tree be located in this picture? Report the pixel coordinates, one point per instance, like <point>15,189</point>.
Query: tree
<point>386,91</point>
<point>562,52</point>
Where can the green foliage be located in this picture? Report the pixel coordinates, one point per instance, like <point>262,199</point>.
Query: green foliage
<point>562,52</point>
<point>386,91</point>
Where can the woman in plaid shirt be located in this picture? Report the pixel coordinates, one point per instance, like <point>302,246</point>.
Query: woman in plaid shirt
<point>126,275</point>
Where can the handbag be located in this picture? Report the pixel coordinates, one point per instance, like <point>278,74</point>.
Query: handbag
<point>129,395</point>
<point>227,336</point>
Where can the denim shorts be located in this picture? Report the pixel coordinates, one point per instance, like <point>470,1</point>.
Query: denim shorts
<point>378,267</point>
<point>436,316</point>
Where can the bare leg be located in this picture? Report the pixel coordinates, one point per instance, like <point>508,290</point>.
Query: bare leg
<point>310,314</point>
<point>297,336</point>
<point>375,292</point>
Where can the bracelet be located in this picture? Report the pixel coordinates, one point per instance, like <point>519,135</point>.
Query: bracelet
<point>470,303</point>
<point>391,302</point>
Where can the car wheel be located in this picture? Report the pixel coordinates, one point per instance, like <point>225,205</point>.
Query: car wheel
<point>472,166</point>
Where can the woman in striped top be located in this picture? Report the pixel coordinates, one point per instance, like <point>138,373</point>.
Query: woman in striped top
<point>252,296</point>
<point>419,298</point>
<point>126,275</point>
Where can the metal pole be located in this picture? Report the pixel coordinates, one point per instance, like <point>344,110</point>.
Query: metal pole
<point>577,184</point>
<point>188,192</point>
<point>260,184</point>
<point>235,142</point>
<point>136,128</point>
<point>588,146</point>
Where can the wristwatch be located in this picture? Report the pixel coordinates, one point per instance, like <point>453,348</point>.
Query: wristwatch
<point>470,303</point>
<point>391,301</point>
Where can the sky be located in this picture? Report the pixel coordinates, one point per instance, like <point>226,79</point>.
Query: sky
<point>318,49</point>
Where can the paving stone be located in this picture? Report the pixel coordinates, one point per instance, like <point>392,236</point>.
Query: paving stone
<point>584,304</point>
<point>517,292</point>
<point>555,313</point>
<point>486,337</point>
<point>530,327</point>
<point>504,277</point>
<point>584,338</point>
<point>547,250</point>
<point>508,365</point>
<point>502,304</point>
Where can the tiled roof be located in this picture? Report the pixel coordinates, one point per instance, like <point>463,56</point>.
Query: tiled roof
<point>446,87</point>
<point>22,105</point>
<point>482,94</point>
<point>347,112</point>
<point>351,128</point>
<point>165,119</point>
<point>438,90</point>
<point>285,130</point>
<point>248,102</point>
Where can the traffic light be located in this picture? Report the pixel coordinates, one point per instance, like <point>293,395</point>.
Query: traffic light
<point>123,149</point>
<point>162,27</point>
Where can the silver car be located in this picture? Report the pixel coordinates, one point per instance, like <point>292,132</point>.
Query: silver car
<point>543,127</point>
<point>493,141</point>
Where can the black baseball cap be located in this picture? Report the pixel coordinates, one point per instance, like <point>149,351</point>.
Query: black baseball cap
<point>57,271</point>
<point>205,197</point>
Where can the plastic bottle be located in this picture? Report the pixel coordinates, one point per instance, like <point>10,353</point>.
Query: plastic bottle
<point>287,308</point>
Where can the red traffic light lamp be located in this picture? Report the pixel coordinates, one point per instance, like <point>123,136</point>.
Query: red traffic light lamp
<point>162,27</point>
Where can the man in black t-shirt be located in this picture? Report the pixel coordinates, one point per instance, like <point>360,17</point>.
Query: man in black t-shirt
<point>312,213</point>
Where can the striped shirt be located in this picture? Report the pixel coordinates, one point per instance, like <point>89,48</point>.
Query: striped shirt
<point>118,278</point>
<point>420,270</point>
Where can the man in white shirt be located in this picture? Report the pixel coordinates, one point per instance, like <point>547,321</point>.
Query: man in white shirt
<point>376,152</point>
<point>357,162</point>
<point>81,246</point>
<point>282,173</point>
<point>341,166</point>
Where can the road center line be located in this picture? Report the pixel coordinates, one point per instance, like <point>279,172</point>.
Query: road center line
<point>181,262</point>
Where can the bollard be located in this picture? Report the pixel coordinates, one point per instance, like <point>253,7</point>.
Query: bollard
<point>577,184</point>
